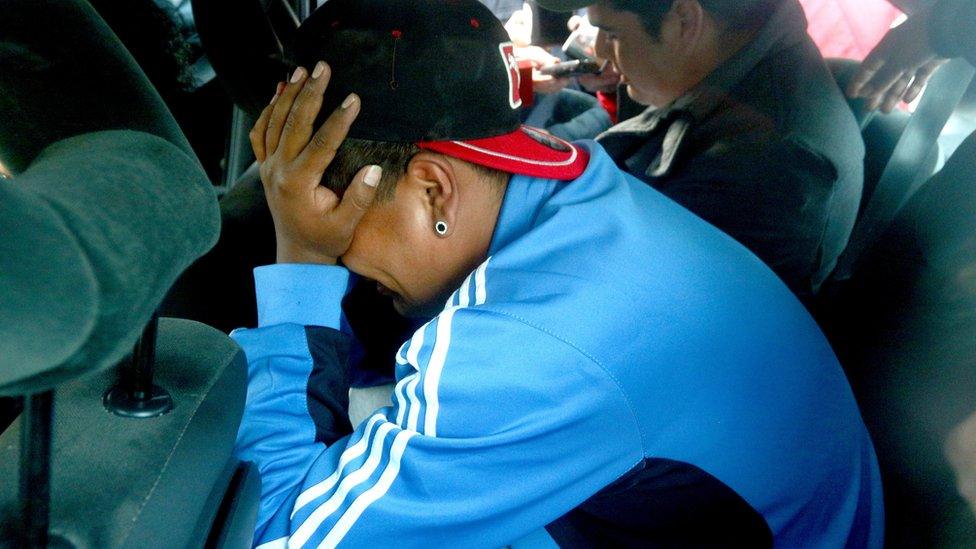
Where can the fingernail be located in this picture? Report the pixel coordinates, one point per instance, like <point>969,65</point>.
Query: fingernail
<point>297,75</point>
<point>373,175</point>
<point>349,101</point>
<point>319,69</point>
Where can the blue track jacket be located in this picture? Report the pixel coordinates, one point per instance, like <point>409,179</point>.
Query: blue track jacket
<point>617,371</point>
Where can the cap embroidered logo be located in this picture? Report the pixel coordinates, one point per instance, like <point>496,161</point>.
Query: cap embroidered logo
<point>507,50</point>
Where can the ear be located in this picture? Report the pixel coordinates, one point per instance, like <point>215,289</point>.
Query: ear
<point>689,20</point>
<point>435,181</point>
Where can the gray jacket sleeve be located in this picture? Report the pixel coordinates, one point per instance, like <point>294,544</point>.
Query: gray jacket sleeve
<point>952,29</point>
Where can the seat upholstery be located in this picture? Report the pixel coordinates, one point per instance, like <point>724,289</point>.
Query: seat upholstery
<point>90,244</point>
<point>218,289</point>
<point>160,482</point>
<point>905,329</point>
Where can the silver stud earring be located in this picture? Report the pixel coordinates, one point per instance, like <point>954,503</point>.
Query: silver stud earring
<point>441,228</point>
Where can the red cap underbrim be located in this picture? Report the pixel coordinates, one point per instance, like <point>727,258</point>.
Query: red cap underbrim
<point>526,151</point>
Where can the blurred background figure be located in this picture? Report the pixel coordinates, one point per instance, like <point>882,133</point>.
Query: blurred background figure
<point>912,314</point>
<point>555,102</point>
<point>849,29</point>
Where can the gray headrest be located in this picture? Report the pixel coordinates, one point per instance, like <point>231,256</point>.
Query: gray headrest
<point>94,234</point>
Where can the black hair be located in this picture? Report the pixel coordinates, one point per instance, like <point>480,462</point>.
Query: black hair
<point>737,14</point>
<point>392,157</point>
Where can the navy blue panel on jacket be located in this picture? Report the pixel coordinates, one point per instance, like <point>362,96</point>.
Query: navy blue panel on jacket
<point>663,503</point>
<point>616,367</point>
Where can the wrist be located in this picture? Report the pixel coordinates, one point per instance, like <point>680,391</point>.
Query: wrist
<point>305,294</point>
<point>291,253</point>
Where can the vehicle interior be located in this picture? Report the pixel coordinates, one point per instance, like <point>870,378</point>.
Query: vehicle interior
<point>129,444</point>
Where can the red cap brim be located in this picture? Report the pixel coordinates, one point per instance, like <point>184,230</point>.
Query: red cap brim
<point>526,151</point>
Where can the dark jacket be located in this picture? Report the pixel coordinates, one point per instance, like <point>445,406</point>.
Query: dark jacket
<point>765,148</point>
<point>951,29</point>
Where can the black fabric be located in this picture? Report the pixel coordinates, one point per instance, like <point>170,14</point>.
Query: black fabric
<point>548,27</point>
<point>951,29</point>
<point>94,233</point>
<point>328,385</point>
<point>905,329</point>
<point>844,71</point>
<point>425,71</point>
<point>238,515</point>
<point>242,39</point>
<point>380,331</point>
<point>663,503</point>
<point>766,149</point>
<point>63,73</point>
<point>123,482</point>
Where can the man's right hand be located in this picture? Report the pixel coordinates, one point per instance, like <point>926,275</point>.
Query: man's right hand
<point>605,82</point>
<point>899,67</point>
<point>312,224</point>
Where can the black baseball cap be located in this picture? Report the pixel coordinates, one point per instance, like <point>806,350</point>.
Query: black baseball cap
<point>438,73</point>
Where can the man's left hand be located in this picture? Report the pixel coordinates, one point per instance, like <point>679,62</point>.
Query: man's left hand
<point>899,67</point>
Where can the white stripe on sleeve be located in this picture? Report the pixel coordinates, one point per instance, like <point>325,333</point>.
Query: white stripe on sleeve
<point>300,536</point>
<point>480,284</point>
<point>350,454</point>
<point>400,395</point>
<point>365,499</point>
<point>413,418</point>
<point>464,297</point>
<point>432,375</point>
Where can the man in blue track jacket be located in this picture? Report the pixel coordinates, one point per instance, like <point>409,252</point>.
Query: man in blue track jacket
<point>598,361</point>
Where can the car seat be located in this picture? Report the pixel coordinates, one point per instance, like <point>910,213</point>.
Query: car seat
<point>905,330</point>
<point>125,205</point>
<point>901,154</point>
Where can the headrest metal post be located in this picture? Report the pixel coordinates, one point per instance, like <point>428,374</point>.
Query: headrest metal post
<point>35,468</point>
<point>135,395</point>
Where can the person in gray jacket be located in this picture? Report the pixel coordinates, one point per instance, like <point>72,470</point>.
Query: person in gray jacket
<point>745,125</point>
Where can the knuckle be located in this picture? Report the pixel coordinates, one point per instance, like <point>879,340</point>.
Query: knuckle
<point>308,93</point>
<point>360,202</point>
<point>325,145</point>
<point>290,123</point>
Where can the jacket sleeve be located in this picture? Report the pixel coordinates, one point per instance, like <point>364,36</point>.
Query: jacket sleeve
<point>297,391</point>
<point>952,29</point>
<point>495,429</point>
